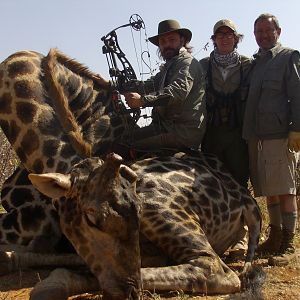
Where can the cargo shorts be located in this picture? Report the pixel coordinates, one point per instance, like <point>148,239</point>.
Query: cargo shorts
<point>272,167</point>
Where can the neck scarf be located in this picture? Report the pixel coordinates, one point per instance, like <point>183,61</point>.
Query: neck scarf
<point>225,60</point>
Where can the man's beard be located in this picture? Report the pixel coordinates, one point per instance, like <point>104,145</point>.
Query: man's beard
<point>169,53</point>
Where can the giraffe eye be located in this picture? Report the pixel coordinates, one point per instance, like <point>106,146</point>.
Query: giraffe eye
<point>91,218</point>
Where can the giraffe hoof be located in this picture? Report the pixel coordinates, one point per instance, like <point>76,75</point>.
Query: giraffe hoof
<point>6,263</point>
<point>49,293</point>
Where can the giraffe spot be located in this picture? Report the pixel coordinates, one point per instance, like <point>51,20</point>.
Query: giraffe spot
<point>207,213</point>
<point>12,237</point>
<point>62,80</point>
<point>62,167</point>
<point>174,206</point>
<point>182,214</point>
<point>49,126</point>
<point>212,193</point>
<point>215,208</point>
<point>80,100</point>
<point>223,207</point>
<point>22,178</point>
<point>190,226</point>
<point>179,178</point>
<point>26,112</point>
<point>73,85</point>
<point>5,104</point>
<point>50,147</point>
<point>67,151</point>
<point>25,54</point>
<point>166,186</point>
<point>30,142</point>
<point>19,196</point>
<point>20,68</point>
<point>28,89</point>
<point>50,162</point>
<point>179,200</point>
<point>150,184</point>
<point>164,228</point>
<point>32,217</point>
<point>10,221</point>
<point>234,204</point>
<point>11,130</point>
<point>225,216</point>
<point>21,154</point>
<point>38,166</point>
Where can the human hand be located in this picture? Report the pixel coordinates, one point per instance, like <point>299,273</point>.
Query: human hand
<point>134,100</point>
<point>294,141</point>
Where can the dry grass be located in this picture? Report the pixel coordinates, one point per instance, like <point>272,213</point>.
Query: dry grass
<point>8,158</point>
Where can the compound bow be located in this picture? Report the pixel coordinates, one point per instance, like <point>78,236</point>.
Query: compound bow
<point>124,77</point>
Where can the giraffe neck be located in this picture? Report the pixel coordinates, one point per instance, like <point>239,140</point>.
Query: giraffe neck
<point>50,110</point>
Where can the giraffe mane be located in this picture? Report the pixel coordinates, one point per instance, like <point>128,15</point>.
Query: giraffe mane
<point>72,64</point>
<point>60,101</point>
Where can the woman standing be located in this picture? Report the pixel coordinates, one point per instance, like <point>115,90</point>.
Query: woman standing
<point>227,74</point>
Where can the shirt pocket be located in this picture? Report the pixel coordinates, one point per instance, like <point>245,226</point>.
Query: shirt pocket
<point>271,122</point>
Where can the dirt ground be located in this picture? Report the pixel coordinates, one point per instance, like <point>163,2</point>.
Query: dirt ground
<point>274,283</point>
<point>280,284</point>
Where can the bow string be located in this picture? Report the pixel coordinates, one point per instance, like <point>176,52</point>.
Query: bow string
<point>122,76</point>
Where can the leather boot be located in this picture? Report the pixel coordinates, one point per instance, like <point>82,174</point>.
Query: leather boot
<point>273,242</point>
<point>286,253</point>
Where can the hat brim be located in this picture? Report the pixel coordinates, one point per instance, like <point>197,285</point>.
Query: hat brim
<point>183,31</point>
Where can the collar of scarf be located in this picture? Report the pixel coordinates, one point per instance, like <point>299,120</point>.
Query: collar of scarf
<point>225,60</point>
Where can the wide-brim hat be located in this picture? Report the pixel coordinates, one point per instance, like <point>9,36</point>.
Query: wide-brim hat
<point>225,22</point>
<point>167,26</point>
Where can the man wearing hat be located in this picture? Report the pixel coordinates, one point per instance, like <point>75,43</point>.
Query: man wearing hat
<point>177,95</point>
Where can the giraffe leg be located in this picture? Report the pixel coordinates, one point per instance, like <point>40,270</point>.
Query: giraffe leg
<point>13,261</point>
<point>205,274</point>
<point>62,283</point>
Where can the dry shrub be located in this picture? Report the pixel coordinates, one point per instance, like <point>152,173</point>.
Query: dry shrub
<point>8,158</point>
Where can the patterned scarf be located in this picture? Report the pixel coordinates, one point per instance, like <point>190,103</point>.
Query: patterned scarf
<point>225,60</point>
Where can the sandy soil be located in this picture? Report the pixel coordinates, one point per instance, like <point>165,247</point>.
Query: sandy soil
<point>280,284</point>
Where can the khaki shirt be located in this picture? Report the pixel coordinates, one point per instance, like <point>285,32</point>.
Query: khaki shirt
<point>273,104</point>
<point>180,85</point>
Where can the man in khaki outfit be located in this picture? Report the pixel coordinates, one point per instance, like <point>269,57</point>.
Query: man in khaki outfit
<point>177,95</point>
<point>272,128</point>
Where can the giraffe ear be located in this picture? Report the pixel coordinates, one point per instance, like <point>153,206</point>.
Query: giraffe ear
<point>53,185</point>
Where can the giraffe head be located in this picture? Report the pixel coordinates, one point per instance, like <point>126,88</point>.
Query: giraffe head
<point>99,212</point>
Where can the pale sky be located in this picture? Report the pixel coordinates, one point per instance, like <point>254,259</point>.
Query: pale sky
<point>76,26</point>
